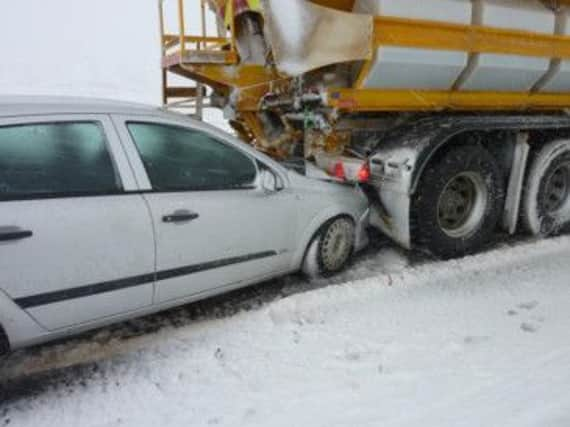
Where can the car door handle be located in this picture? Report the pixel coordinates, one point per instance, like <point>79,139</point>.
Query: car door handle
<point>180,216</point>
<point>13,233</point>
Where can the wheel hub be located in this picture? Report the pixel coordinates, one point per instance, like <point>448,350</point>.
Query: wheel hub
<point>462,205</point>
<point>337,244</point>
<point>557,189</point>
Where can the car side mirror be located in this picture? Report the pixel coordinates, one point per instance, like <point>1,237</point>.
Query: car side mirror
<point>270,182</point>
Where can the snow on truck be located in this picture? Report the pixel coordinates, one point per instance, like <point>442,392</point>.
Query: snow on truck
<point>453,112</point>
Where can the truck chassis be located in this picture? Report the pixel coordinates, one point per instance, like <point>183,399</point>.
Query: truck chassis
<point>444,168</point>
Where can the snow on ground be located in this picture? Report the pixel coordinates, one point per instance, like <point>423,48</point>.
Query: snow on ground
<point>478,342</point>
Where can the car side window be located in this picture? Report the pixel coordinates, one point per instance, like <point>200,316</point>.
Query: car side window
<point>55,159</point>
<point>181,159</point>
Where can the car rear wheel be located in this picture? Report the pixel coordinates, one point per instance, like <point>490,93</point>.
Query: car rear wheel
<point>331,248</point>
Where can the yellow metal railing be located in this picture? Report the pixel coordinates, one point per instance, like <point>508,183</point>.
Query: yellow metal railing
<point>184,42</point>
<point>184,48</point>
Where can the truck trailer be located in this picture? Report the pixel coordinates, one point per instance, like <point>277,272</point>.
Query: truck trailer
<point>452,114</point>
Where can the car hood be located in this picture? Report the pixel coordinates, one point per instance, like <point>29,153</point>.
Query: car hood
<point>351,192</point>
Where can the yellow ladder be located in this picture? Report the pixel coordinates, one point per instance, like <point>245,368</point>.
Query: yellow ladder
<point>181,53</point>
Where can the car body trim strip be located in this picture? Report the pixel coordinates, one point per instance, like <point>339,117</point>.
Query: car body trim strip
<point>129,282</point>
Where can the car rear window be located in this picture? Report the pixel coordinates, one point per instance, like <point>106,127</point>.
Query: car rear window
<point>55,159</point>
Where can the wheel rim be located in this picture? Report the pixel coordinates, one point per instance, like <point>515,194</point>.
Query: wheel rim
<point>461,206</point>
<point>557,189</point>
<point>336,245</point>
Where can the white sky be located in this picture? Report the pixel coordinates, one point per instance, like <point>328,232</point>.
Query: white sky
<point>101,48</point>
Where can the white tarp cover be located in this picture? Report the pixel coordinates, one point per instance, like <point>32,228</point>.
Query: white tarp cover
<point>305,36</point>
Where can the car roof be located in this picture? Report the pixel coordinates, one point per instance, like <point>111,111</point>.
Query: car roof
<point>11,106</point>
<point>18,106</point>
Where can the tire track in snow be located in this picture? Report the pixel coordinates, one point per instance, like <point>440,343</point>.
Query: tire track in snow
<point>65,367</point>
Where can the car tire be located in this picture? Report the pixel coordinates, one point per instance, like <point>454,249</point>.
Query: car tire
<point>458,203</point>
<point>546,200</point>
<point>330,249</point>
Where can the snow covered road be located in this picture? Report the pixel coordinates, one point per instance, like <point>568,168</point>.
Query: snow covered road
<point>483,341</point>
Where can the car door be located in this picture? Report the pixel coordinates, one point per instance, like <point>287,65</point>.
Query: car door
<point>75,245</point>
<point>215,226</point>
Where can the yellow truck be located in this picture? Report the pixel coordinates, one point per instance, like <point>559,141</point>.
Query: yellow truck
<point>452,114</point>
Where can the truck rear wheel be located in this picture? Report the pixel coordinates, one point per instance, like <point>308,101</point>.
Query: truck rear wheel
<point>458,203</point>
<point>546,204</point>
<point>4,343</point>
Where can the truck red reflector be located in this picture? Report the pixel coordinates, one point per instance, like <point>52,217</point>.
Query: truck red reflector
<point>364,173</point>
<point>338,171</point>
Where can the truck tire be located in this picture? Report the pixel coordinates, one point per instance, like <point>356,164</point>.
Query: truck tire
<point>331,248</point>
<point>458,203</point>
<point>4,343</point>
<point>546,200</point>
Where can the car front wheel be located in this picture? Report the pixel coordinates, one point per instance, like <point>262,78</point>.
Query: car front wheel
<point>331,249</point>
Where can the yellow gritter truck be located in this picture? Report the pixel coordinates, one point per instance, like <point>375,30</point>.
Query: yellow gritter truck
<point>451,113</point>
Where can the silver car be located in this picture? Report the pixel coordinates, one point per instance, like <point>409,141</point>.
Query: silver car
<point>110,211</point>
